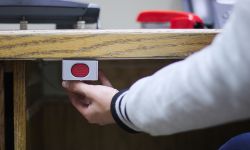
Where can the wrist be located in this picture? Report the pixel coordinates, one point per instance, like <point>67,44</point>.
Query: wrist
<point>117,114</point>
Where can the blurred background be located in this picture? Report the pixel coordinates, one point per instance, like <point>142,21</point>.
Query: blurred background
<point>115,14</point>
<point>122,14</point>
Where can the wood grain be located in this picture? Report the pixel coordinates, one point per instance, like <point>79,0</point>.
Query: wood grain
<point>103,44</point>
<point>19,106</point>
<point>2,110</point>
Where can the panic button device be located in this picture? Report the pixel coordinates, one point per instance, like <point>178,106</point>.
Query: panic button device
<point>81,70</point>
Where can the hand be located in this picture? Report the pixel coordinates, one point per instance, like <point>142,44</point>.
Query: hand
<point>92,101</point>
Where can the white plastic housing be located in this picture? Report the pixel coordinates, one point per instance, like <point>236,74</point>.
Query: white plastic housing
<point>68,64</point>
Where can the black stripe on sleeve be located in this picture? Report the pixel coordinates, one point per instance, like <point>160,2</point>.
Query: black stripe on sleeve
<point>120,103</point>
<point>115,115</point>
<point>127,115</point>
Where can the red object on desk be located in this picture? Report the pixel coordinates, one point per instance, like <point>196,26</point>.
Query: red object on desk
<point>177,19</point>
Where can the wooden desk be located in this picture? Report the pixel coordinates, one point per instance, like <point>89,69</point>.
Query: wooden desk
<point>19,47</point>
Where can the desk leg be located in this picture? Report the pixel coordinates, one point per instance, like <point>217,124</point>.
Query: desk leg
<point>19,106</point>
<point>2,110</point>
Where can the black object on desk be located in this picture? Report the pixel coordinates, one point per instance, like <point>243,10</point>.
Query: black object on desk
<point>60,12</point>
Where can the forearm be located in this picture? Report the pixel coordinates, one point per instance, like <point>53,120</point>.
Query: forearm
<point>209,88</point>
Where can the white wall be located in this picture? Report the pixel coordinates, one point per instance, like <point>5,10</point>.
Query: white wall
<point>121,14</point>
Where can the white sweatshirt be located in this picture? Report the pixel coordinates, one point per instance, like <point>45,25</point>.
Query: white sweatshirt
<point>209,88</point>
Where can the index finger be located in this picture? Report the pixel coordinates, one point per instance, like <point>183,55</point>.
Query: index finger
<point>78,87</point>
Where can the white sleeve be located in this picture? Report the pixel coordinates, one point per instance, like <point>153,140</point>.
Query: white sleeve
<point>208,88</point>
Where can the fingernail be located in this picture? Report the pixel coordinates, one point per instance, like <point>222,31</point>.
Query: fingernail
<point>65,84</point>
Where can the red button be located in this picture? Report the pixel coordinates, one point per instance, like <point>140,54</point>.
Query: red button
<point>80,70</point>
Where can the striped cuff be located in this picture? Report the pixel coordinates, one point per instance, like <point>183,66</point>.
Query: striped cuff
<point>119,113</point>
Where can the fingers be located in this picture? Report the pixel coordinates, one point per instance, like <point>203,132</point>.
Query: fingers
<point>78,87</point>
<point>82,106</point>
<point>79,104</point>
<point>82,99</point>
<point>104,80</point>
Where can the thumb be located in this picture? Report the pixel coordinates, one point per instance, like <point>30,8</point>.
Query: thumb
<point>78,87</point>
